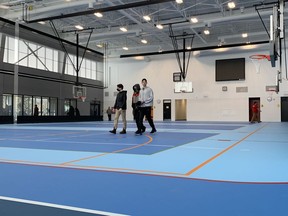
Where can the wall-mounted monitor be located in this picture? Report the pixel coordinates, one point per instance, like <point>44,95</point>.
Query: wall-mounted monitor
<point>183,87</point>
<point>230,69</point>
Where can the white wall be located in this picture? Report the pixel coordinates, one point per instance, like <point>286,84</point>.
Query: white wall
<point>208,102</point>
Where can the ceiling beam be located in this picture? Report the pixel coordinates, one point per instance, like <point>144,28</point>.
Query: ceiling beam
<point>101,10</point>
<point>193,49</point>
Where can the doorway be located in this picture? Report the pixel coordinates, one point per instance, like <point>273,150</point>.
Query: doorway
<point>181,110</point>
<point>284,109</point>
<point>166,110</point>
<point>251,101</point>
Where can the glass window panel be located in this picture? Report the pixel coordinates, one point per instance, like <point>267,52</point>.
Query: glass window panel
<point>23,47</point>
<point>32,47</point>
<point>49,53</point>
<point>27,106</point>
<point>7,105</point>
<point>41,52</point>
<point>40,64</point>
<point>11,58</point>
<point>93,75</point>
<point>23,60</point>
<point>18,104</point>
<point>49,64</point>
<point>37,101</point>
<point>53,107</point>
<point>45,106</point>
<point>32,61</point>
<point>11,42</point>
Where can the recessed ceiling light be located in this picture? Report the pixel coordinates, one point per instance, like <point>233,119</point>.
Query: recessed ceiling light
<point>244,35</point>
<point>147,18</point>
<point>144,41</point>
<point>206,32</point>
<point>194,20</point>
<point>159,26</point>
<point>125,48</point>
<point>123,29</point>
<point>98,14</point>
<point>42,22</point>
<point>79,27</point>
<point>179,1</point>
<point>231,5</point>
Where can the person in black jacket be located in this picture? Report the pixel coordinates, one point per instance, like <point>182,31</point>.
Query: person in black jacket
<point>120,107</point>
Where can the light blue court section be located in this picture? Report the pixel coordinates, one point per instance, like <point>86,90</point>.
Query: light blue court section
<point>240,152</point>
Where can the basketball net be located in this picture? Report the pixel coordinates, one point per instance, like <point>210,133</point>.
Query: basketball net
<point>82,98</point>
<point>270,95</point>
<point>257,61</point>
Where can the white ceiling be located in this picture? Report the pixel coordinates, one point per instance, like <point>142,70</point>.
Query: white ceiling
<point>226,25</point>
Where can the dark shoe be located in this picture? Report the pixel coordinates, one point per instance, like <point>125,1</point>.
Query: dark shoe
<point>123,131</point>
<point>143,129</point>
<point>138,132</point>
<point>113,131</point>
<point>153,130</point>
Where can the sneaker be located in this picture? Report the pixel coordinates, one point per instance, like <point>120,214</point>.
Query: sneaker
<point>123,131</point>
<point>138,132</point>
<point>153,130</point>
<point>113,131</point>
<point>143,129</point>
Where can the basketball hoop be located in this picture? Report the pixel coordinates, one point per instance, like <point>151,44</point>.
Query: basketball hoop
<point>270,96</point>
<point>257,60</point>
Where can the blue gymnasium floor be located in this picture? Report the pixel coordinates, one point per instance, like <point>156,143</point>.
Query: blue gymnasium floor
<point>186,168</point>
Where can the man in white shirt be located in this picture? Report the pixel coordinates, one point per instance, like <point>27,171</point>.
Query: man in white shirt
<point>146,98</point>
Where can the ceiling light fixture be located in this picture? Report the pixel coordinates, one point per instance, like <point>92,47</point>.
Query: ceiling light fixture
<point>42,22</point>
<point>124,29</point>
<point>159,26</point>
<point>147,17</point>
<point>231,5</point>
<point>194,20</point>
<point>144,41</point>
<point>125,48</point>
<point>179,1</point>
<point>79,27</point>
<point>98,14</point>
<point>244,35</point>
<point>206,32</point>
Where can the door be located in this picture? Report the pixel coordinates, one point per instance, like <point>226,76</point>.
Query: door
<point>166,110</point>
<point>284,109</point>
<point>181,110</point>
<point>94,109</point>
<point>251,101</point>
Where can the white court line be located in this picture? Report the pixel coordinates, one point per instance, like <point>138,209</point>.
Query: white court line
<point>60,206</point>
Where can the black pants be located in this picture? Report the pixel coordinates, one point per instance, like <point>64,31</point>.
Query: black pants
<point>137,116</point>
<point>109,117</point>
<point>146,111</point>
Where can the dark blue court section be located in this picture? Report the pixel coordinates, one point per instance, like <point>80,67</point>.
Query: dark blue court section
<point>9,208</point>
<point>105,142</point>
<point>141,195</point>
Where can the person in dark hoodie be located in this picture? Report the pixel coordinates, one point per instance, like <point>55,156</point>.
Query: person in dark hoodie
<point>120,107</point>
<point>136,107</point>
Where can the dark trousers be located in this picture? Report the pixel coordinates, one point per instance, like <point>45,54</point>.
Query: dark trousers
<point>109,117</point>
<point>146,111</point>
<point>137,115</point>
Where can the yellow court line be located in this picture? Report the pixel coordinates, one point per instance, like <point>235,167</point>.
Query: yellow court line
<point>220,153</point>
<point>117,151</point>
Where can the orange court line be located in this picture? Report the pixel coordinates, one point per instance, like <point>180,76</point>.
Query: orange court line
<point>220,153</point>
<point>103,154</point>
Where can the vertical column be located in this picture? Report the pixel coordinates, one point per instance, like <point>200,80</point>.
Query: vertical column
<point>16,70</point>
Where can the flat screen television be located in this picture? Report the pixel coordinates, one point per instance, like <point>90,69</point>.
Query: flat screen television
<point>230,69</point>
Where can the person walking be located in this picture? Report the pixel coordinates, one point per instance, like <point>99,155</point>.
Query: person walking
<point>109,113</point>
<point>36,110</point>
<point>146,98</point>
<point>255,113</point>
<point>120,107</point>
<point>136,107</point>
